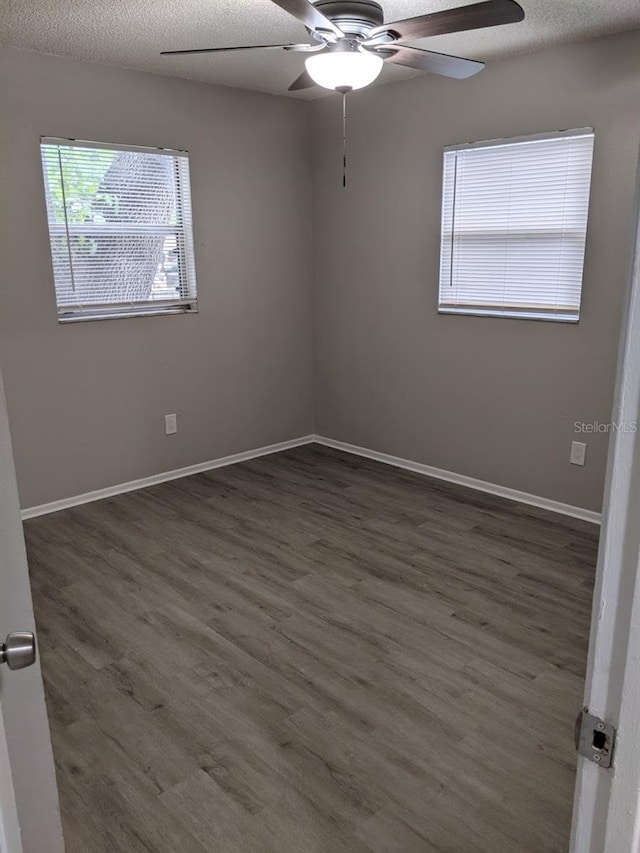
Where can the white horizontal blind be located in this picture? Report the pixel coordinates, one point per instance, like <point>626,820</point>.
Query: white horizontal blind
<point>120,229</point>
<point>514,220</point>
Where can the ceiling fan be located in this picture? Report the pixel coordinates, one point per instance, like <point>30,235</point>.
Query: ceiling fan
<point>351,41</point>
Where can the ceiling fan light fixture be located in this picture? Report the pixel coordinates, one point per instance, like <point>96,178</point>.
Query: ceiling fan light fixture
<point>344,69</point>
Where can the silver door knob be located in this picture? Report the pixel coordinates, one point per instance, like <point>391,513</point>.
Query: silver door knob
<point>18,650</point>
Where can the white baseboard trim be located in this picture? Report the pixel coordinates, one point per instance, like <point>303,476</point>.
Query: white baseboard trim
<point>385,458</point>
<point>165,476</point>
<point>463,480</point>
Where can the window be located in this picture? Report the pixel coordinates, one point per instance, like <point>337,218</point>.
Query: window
<point>514,221</point>
<point>120,229</point>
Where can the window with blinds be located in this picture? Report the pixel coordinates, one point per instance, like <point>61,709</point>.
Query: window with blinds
<point>120,229</point>
<point>514,221</point>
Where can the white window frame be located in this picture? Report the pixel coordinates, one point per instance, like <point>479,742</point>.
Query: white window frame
<point>570,314</point>
<point>187,302</point>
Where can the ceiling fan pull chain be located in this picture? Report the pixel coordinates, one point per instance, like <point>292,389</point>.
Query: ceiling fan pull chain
<point>344,139</point>
<point>344,90</point>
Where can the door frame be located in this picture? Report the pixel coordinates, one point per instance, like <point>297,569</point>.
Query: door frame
<point>606,815</point>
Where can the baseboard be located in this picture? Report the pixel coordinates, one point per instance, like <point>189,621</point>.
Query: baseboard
<point>463,480</point>
<point>385,458</point>
<point>144,482</point>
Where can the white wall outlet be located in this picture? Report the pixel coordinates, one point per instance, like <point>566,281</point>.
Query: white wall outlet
<point>578,453</point>
<point>171,425</point>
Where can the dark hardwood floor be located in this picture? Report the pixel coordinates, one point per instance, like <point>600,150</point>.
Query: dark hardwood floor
<point>312,653</point>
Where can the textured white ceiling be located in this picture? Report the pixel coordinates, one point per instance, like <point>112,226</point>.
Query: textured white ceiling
<point>131,34</point>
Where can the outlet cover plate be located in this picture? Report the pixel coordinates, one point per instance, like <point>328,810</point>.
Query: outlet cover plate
<point>578,453</point>
<point>170,424</point>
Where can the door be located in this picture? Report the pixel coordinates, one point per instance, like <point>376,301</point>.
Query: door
<point>29,816</point>
<point>606,815</point>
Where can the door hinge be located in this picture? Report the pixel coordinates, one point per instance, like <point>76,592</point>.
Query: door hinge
<point>595,738</point>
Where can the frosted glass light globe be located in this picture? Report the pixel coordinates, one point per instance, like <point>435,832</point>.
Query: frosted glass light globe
<point>351,70</point>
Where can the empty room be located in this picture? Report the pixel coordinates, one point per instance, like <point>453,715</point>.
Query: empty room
<point>319,468</point>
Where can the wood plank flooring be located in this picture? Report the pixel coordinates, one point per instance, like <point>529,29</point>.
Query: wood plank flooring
<point>312,653</point>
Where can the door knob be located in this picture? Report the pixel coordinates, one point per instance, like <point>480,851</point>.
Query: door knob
<point>18,650</point>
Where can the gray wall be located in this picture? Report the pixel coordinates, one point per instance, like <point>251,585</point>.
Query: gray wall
<point>490,398</point>
<point>86,401</point>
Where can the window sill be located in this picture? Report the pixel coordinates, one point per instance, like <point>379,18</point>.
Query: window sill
<point>63,319</point>
<point>511,315</point>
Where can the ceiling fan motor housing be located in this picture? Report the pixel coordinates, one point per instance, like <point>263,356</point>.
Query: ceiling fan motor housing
<point>354,17</point>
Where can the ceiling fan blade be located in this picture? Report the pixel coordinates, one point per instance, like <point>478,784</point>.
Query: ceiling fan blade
<point>304,81</point>
<point>310,16</point>
<point>426,60</point>
<point>293,47</point>
<point>491,13</point>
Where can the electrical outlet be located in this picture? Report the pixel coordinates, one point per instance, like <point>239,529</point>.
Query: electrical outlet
<point>578,453</point>
<point>171,424</point>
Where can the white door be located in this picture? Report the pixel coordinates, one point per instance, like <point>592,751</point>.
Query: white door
<point>29,816</point>
<point>607,803</point>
